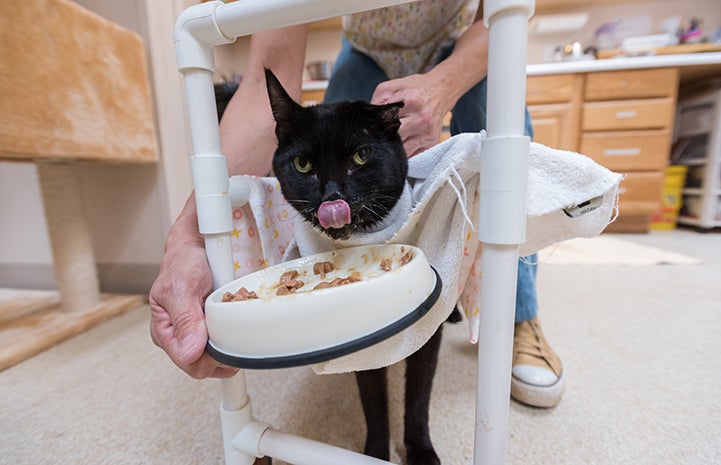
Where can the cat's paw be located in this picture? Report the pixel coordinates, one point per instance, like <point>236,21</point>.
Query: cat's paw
<point>422,456</point>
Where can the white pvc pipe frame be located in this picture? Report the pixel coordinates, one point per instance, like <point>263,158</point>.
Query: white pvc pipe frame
<point>504,167</point>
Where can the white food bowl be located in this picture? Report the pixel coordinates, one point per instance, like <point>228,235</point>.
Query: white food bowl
<point>312,326</point>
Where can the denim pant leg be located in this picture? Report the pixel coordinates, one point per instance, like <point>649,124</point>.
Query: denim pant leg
<point>355,76</point>
<point>469,115</point>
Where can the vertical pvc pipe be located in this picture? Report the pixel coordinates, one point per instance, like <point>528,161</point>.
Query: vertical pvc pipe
<point>495,347</point>
<point>210,175</point>
<point>210,179</point>
<point>508,35</point>
<point>507,59</point>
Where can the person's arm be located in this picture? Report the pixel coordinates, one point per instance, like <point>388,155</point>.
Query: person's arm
<point>429,96</point>
<point>247,129</point>
<point>177,323</point>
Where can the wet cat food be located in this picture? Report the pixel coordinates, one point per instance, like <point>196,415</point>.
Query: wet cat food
<point>240,294</point>
<point>288,283</point>
<point>323,268</point>
<point>353,278</point>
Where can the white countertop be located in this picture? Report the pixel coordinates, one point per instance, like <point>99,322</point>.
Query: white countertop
<point>610,64</point>
<point>615,64</point>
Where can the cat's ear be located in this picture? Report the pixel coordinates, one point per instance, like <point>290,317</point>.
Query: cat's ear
<point>282,105</point>
<point>389,115</point>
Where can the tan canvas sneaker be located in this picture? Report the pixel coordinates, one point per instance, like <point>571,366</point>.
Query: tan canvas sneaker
<point>537,374</point>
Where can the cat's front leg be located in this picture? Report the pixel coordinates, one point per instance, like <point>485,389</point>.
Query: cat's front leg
<point>420,370</point>
<point>374,398</point>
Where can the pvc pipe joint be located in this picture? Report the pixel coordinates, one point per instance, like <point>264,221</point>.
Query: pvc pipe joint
<point>492,7</point>
<point>503,187</point>
<point>196,32</point>
<point>210,178</point>
<point>241,435</point>
<point>248,440</point>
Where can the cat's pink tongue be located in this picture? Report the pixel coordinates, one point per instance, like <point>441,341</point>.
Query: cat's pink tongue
<point>334,214</point>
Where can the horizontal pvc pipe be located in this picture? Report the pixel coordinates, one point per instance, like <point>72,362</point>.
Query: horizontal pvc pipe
<point>243,18</point>
<point>301,451</point>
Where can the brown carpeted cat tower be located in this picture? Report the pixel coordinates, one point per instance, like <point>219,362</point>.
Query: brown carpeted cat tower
<point>74,90</point>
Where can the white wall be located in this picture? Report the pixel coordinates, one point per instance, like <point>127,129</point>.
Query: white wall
<point>652,13</point>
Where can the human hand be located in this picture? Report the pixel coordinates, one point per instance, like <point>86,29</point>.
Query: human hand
<point>425,105</point>
<point>177,321</point>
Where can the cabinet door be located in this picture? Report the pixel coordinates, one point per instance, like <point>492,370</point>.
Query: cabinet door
<point>555,126</point>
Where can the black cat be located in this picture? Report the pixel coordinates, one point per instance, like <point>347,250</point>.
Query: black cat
<point>342,166</point>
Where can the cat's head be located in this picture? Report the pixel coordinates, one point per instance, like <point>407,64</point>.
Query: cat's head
<point>341,165</point>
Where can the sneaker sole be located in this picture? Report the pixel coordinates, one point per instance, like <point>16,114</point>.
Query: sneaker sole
<point>537,396</point>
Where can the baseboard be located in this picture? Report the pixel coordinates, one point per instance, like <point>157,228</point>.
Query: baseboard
<point>114,278</point>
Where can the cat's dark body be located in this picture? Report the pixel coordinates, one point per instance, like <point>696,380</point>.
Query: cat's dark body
<point>342,166</point>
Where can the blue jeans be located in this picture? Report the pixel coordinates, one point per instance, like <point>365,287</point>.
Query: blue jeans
<point>355,77</point>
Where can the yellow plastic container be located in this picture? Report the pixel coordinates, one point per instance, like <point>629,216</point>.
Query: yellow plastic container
<point>672,198</point>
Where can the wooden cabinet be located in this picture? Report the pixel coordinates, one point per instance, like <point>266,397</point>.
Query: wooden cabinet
<point>551,125</point>
<point>621,119</point>
<point>554,102</point>
<point>626,125</point>
<point>312,97</point>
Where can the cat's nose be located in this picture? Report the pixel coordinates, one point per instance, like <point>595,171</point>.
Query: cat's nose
<point>332,191</point>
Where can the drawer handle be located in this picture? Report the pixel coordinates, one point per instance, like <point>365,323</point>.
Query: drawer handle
<point>622,152</point>
<point>625,114</point>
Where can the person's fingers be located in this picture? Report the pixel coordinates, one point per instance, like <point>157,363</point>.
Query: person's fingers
<point>188,351</point>
<point>181,341</point>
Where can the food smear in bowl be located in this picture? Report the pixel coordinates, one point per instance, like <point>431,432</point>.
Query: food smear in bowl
<point>289,282</point>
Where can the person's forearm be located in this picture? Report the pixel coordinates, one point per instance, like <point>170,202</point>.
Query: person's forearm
<point>466,66</point>
<point>247,130</point>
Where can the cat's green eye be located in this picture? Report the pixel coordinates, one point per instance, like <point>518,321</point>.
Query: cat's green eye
<point>302,165</point>
<point>360,157</point>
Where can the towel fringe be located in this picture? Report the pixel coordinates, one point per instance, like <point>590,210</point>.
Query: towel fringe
<point>462,198</point>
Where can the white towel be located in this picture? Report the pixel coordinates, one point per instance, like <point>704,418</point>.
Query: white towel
<point>436,213</point>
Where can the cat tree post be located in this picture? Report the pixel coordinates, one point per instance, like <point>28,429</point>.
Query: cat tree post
<point>70,237</point>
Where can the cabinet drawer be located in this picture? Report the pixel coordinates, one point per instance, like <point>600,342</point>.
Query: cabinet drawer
<point>549,89</point>
<point>646,83</point>
<point>630,114</point>
<point>628,151</point>
<point>640,193</point>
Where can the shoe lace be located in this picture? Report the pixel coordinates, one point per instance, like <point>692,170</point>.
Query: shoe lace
<point>530,340</point>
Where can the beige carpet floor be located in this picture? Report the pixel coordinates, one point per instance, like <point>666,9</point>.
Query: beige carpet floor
<point>640,346</point>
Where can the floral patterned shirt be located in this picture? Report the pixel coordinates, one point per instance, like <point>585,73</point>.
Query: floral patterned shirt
<point>409,38</point>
